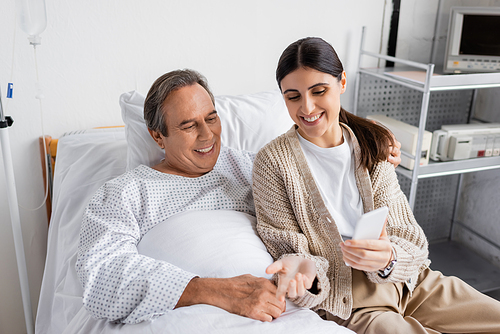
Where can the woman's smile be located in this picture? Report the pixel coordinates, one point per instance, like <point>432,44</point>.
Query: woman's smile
<point>313,102</point>
<point>312,120</point>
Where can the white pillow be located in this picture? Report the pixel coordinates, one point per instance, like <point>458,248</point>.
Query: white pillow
<point>248,123</point>
<point>212,243</point>
<point>141,148</point>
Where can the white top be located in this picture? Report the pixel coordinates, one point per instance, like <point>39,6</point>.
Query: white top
<point>333,171</point>
<point>119,283</point>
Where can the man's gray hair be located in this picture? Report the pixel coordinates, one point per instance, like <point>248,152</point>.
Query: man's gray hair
<point>159,91</point>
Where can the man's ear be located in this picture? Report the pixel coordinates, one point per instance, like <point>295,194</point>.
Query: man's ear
<point>157,137</point>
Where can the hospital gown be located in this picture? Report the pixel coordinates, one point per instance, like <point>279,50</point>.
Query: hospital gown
<point>120,284</point>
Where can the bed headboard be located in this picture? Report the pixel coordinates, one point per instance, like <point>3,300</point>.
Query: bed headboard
<point>48,151</point>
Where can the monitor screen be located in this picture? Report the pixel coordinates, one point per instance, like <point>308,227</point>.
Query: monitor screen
<point>473,44</point>
<point>480,35</point>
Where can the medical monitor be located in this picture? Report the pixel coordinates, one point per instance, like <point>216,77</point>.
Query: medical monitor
<point>473,43</point>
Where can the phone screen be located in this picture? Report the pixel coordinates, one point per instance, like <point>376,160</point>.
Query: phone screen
<point>370,225</point>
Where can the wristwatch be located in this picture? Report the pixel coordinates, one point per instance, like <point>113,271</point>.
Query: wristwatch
<point>383,273</point>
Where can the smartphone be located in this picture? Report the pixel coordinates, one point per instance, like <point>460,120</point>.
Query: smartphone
<point>370,224</point>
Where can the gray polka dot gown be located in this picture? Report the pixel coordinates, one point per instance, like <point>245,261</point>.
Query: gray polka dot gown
<point>123,286</point>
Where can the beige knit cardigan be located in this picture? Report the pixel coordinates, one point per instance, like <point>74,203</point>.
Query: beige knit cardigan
<point>292,220</point>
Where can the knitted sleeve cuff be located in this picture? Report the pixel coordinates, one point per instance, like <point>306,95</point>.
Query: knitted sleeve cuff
<point>407,268</point>
<point>309,299</point>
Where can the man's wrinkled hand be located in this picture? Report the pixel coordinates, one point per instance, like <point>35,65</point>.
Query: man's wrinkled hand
<point>245,295</point>
<point>395,153</point>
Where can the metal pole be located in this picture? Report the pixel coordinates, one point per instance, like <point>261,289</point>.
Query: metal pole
<point>421,129</point>
<point>358,74</point>
<point>16,221</point>
<point>456,205</point>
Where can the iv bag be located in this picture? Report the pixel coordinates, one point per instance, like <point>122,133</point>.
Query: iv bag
<point>32,18</point>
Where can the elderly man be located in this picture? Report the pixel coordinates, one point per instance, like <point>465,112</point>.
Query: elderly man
<point>196,174</point>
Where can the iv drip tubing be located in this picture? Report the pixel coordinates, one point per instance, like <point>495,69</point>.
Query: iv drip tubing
<point>39,97</point>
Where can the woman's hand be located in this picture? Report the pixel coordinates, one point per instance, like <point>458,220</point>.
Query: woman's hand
<point>368,255</point>
<point>296,275</point>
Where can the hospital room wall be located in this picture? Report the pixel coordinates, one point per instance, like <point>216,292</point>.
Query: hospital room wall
<point>92,51</point>
<point>478,206</point>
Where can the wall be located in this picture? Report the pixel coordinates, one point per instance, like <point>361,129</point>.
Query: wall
<point>424,40</point>
<point>92,51</point>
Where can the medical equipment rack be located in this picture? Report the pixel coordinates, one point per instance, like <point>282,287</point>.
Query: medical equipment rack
<point>383,90</point>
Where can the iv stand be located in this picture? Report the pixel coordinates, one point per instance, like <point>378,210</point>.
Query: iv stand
<point>5,123</point>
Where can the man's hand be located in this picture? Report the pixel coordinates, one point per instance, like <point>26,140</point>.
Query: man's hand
<point>296,275</point>
<point>246,295</point>
<point>368,255</point>
<point>395,153</point>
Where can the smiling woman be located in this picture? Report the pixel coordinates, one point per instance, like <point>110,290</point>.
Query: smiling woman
<point>312,184</point>
<point>312,65</point>
<point>313,101</point>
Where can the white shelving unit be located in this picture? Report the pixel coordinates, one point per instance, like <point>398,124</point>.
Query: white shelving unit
<point>449,257</point>
<point>430,83</point>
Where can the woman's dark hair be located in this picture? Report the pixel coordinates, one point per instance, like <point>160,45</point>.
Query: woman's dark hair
<point>161,89</point>
<point>316,54</point>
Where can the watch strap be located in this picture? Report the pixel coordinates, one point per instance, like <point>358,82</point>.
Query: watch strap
<point>383,273</point>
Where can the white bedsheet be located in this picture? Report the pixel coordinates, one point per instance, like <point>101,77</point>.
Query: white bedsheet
<point>84,163</point>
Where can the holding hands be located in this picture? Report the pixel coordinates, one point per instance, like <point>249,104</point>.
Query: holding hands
<point>245,295</point>
<point>295,274</point>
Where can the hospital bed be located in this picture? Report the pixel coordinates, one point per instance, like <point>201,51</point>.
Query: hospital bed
<point>86,159</point>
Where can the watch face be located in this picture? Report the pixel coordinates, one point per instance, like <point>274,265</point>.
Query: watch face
<point>384,273</point>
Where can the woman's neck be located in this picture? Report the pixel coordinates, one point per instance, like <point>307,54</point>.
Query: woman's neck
<point>331,138</point>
